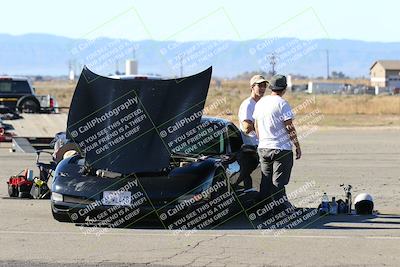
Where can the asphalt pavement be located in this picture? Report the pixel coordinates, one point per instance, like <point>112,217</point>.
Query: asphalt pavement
<point>366,158</point>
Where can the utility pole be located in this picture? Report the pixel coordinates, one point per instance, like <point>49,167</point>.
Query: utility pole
<point>327,64</point>
<point>272,62</point>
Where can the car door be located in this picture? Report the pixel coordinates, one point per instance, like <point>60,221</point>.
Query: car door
<point>231,160</point>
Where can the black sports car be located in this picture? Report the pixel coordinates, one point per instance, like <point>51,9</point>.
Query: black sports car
<point>145,150</point>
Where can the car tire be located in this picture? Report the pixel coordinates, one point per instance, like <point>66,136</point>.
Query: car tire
<point>24,195</point>
<point>12,191</point>
<point>29,105</point>
<point>16,191</point>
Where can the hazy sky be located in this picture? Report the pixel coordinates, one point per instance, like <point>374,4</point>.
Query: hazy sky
<point>205,19</point>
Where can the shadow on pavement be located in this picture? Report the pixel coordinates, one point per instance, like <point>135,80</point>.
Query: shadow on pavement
<point>302,218</point>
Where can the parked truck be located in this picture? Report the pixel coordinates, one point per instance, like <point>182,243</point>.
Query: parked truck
<point>17,93</point>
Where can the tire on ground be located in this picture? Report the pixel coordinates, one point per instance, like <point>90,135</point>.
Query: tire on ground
<point>28,104</point>
<point>12,191</point>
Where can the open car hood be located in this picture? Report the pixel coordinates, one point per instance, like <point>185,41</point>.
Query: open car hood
<point>130,126</point>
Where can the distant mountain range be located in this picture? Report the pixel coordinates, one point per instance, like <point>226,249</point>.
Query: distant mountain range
<point>42,54</point>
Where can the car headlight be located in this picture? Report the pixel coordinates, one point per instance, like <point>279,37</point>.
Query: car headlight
<point>57,197</point>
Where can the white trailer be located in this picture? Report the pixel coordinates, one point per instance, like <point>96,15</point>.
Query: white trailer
<point>325,88</point>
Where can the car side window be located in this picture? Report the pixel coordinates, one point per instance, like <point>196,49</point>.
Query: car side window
<point>21,87</point>
<point>5,87</point>
<point>235,139</point>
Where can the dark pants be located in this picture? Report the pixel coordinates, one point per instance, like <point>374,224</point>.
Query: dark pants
<point>248,161</point>
<point>276,167</point>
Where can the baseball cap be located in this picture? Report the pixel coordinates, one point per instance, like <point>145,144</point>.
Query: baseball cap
<point>278,82</point>
<point>257,79</point>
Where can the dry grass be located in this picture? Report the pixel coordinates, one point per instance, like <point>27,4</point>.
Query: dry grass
<point>61,90</point>
<point>347,81</point>
<point>235,92</point>
<point>348,104</point>
<point>338,110</point>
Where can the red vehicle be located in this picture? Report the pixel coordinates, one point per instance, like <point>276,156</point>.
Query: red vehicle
<point>20,185</point>
<point>4,135</point>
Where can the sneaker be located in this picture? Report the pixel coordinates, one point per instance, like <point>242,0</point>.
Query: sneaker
<point>238,188</point>
<point>250,190</point>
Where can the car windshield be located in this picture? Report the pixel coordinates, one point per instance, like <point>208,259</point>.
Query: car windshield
<point>208,139</point>
<point>214,146</point>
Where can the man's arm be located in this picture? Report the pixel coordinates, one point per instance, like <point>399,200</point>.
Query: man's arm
<point>256,128</point>
<point>291,130</point>
<point>248,126</point>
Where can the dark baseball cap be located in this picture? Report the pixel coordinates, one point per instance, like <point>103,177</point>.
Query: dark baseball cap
<point>278,83</point>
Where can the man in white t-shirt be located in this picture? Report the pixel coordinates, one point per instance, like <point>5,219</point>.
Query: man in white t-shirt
<point>248,158</point>
<point>276,132</point>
